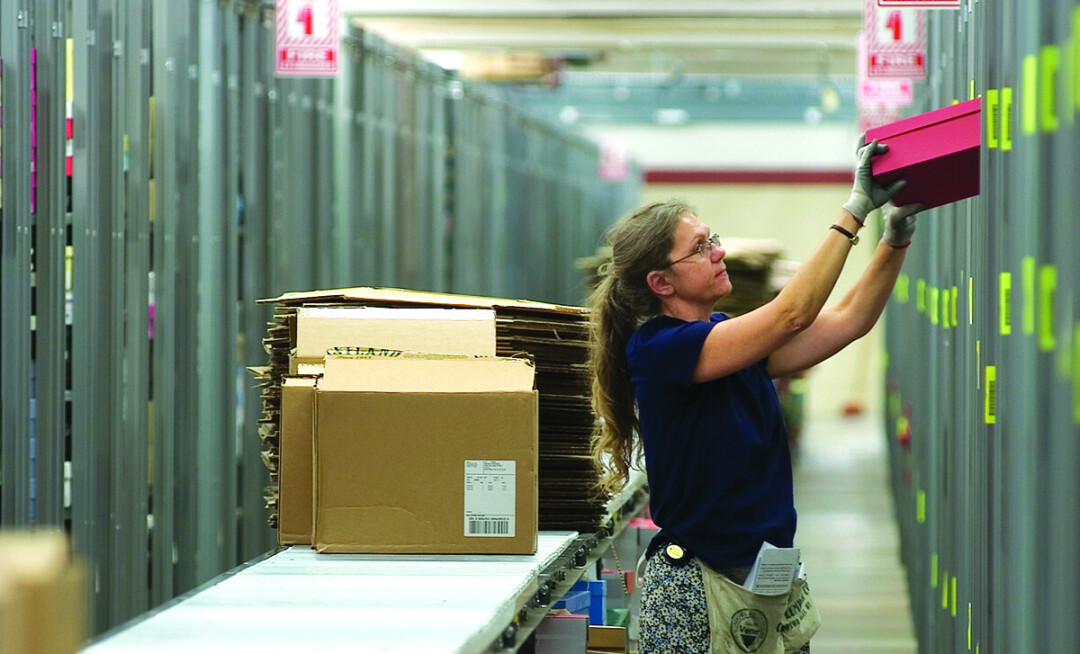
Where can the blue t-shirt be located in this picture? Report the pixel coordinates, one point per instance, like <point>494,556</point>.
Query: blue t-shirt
<point>716,453</point>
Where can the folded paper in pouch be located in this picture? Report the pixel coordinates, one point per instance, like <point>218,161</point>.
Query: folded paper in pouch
<point>743,621</point>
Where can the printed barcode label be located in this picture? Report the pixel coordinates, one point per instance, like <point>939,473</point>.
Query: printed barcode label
<point>496,527</point>
<point>490,498</point>
<point>991,395</point>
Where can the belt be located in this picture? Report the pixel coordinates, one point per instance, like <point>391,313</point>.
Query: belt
<point>676,554</point>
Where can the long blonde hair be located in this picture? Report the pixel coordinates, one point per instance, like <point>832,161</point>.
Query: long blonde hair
<point>640,242</point>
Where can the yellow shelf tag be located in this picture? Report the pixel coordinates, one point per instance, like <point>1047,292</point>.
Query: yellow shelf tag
<point>990,410</point>
<point>971,89</point>
<point>945,590</point>
<point>1030,78</point>
<point>1076,57</point>
<point>1049,63</point>
<point>945,321</point>
<point>933,570</point>
<point>920,507</point>
<point>952,597</point>
<point>1027,277</point>
<point>903,288</point>
<point>1047,286</point>
<point>992,118</point>
<point>932,304</point>
<point>920,295</point>
<point>1005,304</point>
<point>1006,118</point>
<point>69,77</point>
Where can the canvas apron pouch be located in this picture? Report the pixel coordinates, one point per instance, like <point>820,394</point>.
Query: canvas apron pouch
<point>743,621</point>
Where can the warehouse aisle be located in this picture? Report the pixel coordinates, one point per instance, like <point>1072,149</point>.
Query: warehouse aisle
<point>850,540</point>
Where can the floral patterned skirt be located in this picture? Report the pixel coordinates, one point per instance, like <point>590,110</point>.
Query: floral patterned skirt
<point>674,619</point>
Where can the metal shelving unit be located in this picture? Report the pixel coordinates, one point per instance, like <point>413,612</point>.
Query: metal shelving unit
<point>983,345</point>
<point>201,183</point>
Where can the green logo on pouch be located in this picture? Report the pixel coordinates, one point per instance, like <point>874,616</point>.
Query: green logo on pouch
<point>748,629</point>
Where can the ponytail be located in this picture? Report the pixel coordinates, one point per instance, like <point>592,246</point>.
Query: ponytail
<point>640,243</point>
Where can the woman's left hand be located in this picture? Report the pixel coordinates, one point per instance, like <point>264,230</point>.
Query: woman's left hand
<point>900,223</point>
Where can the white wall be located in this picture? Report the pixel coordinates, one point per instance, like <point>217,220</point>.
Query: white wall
<point>742,145</point>
<point>797,215</point>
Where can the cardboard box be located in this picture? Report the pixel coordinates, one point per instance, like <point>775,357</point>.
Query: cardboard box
<point>295,462</point>
<point>440,331</point>
<point>426,454</point>
<point>607,639</point>
<point>43,594</point>
<point>936,152</point>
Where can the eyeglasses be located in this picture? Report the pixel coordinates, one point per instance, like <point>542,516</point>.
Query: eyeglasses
<point>703,248</point>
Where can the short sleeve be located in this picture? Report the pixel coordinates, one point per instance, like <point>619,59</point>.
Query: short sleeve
<point>666,349</point>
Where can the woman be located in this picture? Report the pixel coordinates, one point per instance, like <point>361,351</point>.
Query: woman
<point>696,387</point>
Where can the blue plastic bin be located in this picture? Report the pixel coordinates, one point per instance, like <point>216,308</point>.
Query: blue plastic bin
<point>574,601</point>
<point>597,590</point>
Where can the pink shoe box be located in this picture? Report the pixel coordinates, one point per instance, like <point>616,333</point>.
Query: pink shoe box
<point>936,152</point>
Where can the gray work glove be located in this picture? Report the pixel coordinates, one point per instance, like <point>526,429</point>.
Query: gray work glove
<point>900,223</point>
<point>867,194</point>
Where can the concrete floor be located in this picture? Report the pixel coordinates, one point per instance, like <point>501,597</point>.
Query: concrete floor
<point>849,539</point>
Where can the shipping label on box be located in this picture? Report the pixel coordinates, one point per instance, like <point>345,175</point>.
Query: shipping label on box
<point>490,498</point>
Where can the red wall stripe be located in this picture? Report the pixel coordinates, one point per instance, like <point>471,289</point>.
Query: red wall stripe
<point>660,176</point>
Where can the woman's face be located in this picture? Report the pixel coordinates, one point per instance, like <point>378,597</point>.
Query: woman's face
<point>697,279</point>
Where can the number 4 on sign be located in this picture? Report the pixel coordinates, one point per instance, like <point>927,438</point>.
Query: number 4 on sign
<point>896,26</point>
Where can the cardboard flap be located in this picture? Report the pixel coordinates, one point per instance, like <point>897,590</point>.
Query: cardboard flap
<point>298,381</point>
<point>442,331</point>
<point>402,296</point>
<point>428,374</point>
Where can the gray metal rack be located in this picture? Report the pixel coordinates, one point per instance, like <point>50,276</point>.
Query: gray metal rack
<point>201,183</point>
<point>984,346</point>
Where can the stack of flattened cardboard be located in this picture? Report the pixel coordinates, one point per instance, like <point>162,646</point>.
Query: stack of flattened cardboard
<point>554,336</point>
<point>270,377</point>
